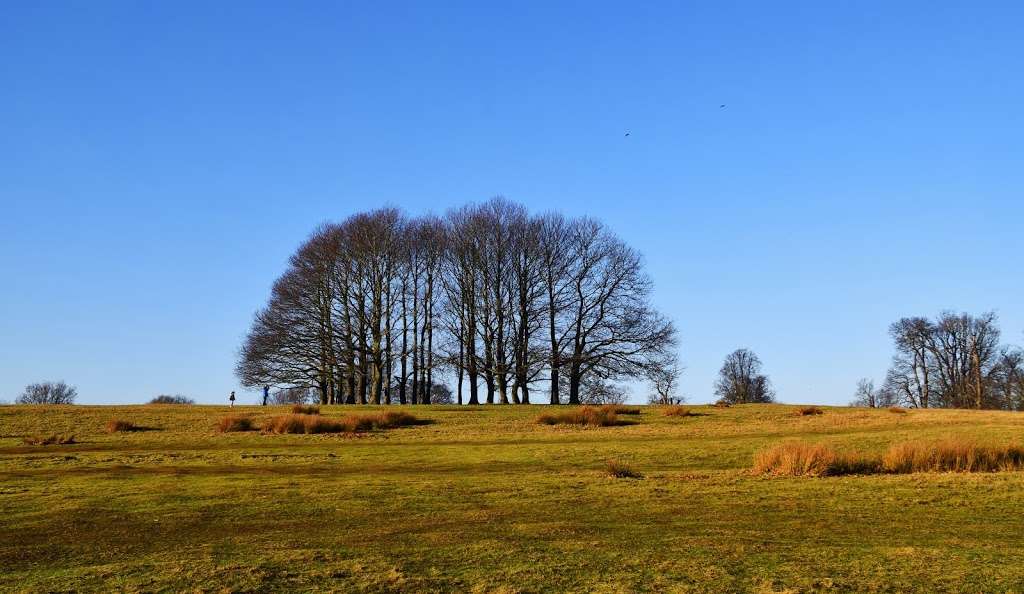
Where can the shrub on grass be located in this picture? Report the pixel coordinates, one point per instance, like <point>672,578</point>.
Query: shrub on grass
<point>121,426</point>
<point>722,404</point>
<point>805,459</point>
<point>235,423</point>
<point>952,455</point>
<point>302,409</point>
<point>808,411</point>
<point>677,411</point>
<point>54,439</point>
<point>618,469</point>
<point>898,410</point>
<point>585,415</point>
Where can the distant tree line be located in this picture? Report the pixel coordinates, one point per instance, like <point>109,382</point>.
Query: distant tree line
<point>953,361</point>
<point>373,309</point>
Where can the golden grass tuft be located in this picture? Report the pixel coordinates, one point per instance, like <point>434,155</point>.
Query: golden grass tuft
<point>53,439</point>
<point>310,424</point>
<point>585,415</point>
<point>677,411</point>
<point>952,455</point>
<point>619,469</point>
<point>806,459</point>
<point>121,426</point>
<point>807,411</point>
<point>621,409</point>
<point>302,409</point>
<point>233,423</point>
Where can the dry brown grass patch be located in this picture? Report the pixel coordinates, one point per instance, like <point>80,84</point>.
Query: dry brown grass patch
<point>952,455</point>
<point>586,416</point>
<point>619,469</point>
<point>54,439</point>
<point>807,411</point>
<point>235,423</point>
<point>677,411</point>
<point>722,404</point>
<point>898,410</point>
<point>302,409</point>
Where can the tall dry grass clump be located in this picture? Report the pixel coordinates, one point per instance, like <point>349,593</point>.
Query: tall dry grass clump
<point>677,411</point>
<point>898,410</point>
<point>952,455</point>
<point>310,424</point>
<point>621,409</point>
<point>53,439</point>
<point>302,409</point>
<point>585,416</point>
<point>809,411</point>
<point>235,423</point>
<point>619,469</point>
<point>121,426</point>
<point>806,459</point>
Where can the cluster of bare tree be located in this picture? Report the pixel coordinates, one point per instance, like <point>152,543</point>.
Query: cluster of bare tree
<point>373,309</point>
<point>954,361</point>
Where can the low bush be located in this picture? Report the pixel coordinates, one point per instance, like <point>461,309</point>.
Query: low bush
<point>121,426</point>
<point>54,439</point>
<point>804,459</point>
<point>677,411</point>
<point>586,415</point>
<point>618,469</point>
<point>235,423</point>
<point>952,455</point>
<point>722,404</point>
<point>898,410</point>
<point>168,399</point>
<point>302,409</point>
<point>808,411</point>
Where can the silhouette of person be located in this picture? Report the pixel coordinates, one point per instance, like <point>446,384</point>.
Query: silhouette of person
<point>232,399</point>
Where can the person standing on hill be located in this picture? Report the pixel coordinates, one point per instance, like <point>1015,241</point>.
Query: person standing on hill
<point>232,399</point>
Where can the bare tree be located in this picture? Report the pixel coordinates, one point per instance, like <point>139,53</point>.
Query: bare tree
<point>612,330</point>
<point>598,391</point>
<point>48,393</point>
<point>740,380</point>
<point>1007,380</point>
<point>664,379</point>
<point>866,394</point>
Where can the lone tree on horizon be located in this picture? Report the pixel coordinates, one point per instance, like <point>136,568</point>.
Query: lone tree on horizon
<point>48,393</point>
<point>740,380</point>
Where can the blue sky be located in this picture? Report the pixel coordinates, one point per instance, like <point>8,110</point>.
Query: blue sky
<point>159,162</point>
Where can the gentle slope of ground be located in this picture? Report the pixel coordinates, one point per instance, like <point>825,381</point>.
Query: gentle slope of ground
<point>484,499</point>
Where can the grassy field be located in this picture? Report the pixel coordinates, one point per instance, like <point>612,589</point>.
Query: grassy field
<point>482,499</point>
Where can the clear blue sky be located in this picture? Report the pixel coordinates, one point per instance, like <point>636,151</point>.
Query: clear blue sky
<point>159,161</point>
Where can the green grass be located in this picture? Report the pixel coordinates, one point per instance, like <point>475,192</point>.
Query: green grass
<point>484,499</point>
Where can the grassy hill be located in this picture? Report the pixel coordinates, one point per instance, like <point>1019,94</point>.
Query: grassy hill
<point>483,499</point>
